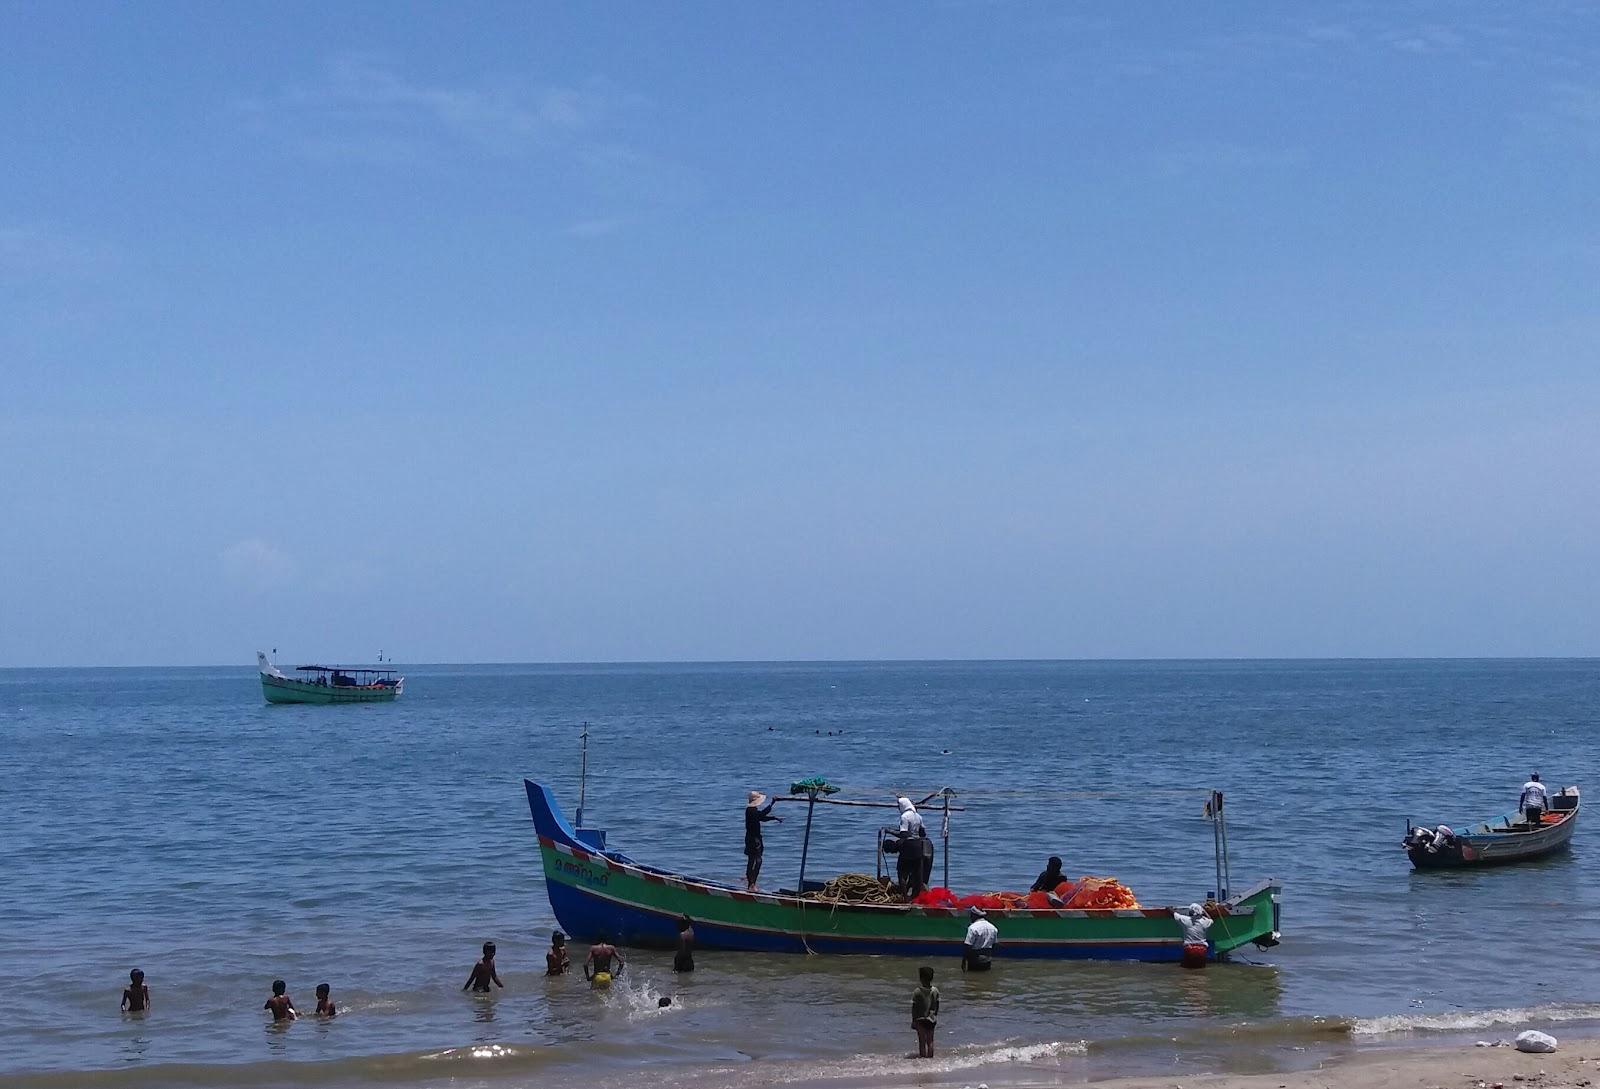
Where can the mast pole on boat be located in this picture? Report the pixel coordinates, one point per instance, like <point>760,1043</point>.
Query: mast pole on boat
<point>805,844</point>
<point>946,830</point>
<point>583,773</point>
<point>1227,871</point>
<point>1214,811</point>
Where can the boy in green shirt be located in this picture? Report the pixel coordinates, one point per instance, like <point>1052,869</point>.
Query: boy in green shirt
<point>925,1012</point>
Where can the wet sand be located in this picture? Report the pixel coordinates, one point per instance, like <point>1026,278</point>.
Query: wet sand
<point>1576,1065</point>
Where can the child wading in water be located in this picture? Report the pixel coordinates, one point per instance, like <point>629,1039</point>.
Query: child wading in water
<point>325,1006</point>
<point>136,996</point>
<point>925,1012</point>
<point>280,1004</point>
<point>483,972</point>
<point>556,961</point>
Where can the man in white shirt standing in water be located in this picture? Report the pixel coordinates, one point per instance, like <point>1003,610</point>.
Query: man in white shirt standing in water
<point>1535,799</point>
<point>977,950</point>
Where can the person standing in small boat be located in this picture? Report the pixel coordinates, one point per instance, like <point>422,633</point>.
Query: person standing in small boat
<point>757,810</point>
<point>1535,800</point>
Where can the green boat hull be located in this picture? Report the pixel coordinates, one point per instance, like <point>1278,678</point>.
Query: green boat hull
<point>597,895</point>
<point>288,690</point>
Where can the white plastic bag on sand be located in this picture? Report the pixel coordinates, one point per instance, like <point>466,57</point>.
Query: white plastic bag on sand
<point>1540,1043</point>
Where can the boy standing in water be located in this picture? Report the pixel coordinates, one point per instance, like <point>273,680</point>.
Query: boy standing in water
<point>556,961</point>
<point>597,966</point>
<point>136,996</point>
<point>325,1006</point>
<point>483,973</point>
<point>280,1004</point>
<point>925,1012</point>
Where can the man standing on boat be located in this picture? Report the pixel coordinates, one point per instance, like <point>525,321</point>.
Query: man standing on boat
<point>1535,799</point>
<point>754,845</point>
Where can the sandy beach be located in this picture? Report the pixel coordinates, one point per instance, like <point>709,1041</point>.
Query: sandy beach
<point>1575,1066</point>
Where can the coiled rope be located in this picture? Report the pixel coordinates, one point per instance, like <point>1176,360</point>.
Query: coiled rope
<point>852,888</point>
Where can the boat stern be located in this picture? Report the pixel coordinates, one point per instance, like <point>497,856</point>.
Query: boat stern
<point>1251,918</point>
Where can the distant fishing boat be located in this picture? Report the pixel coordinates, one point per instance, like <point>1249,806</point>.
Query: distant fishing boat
<point>597,892</point>
<point>329,683</point>
<point>1495,842</point>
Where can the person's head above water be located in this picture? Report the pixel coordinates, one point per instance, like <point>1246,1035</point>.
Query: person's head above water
<point>278,987</point>
<point>925,974</point>
<point>136,976</point>
<point>1053,864</point>
<point>1535,777</point>
<point>558,938</point>
<point>663,1002</point>
<point>488,950</point>
<point>322,990</point>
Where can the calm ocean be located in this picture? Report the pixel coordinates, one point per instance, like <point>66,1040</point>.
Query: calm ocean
<point>168,819</point>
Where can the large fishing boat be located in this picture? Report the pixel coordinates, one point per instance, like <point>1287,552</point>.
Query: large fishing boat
<point>596,892</point>
<point>329,683</point>
<point>1495,842</point>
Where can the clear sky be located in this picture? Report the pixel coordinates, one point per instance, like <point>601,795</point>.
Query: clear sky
<point>481,332</point>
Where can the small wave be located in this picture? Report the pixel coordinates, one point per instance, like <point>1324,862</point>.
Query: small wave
<point>947,1061</point>
<point>404,1068</point>
<point>1463,1020</point>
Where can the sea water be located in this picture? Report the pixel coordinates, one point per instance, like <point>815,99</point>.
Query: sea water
<point>168,819</point>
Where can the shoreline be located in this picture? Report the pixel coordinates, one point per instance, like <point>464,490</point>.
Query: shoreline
<point>1429,1065</point>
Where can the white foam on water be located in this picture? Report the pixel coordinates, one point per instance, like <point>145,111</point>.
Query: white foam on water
<point>473,1052</point>
<point>946,1061</point>
<point>1462,1020</point>
<point>641,1000</point>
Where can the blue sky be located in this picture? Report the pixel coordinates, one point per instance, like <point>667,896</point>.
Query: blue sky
<point>516,333</point>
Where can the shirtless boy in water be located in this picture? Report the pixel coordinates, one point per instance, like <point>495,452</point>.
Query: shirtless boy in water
<point>136,996</point>
<point>483,973</point>
<point>556,961</point>
<point>325,1006</point>
<point>597,966</point>
<point>280,1004</point>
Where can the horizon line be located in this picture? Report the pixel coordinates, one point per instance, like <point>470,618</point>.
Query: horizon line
<point>885,661</point>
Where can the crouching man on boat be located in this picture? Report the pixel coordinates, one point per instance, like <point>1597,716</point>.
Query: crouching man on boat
<point>1196,943</point>
<point>977,951</point>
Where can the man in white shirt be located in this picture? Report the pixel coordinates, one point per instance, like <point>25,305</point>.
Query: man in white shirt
<point>1196,943</point>
<point>979,946</point>
<point>1535,799</point>
<point>910,819</point>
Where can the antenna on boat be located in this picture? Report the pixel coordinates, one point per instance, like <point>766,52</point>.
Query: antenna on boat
<point>948,793</point>
<point>1219,840</point>
<point>583,773</point>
